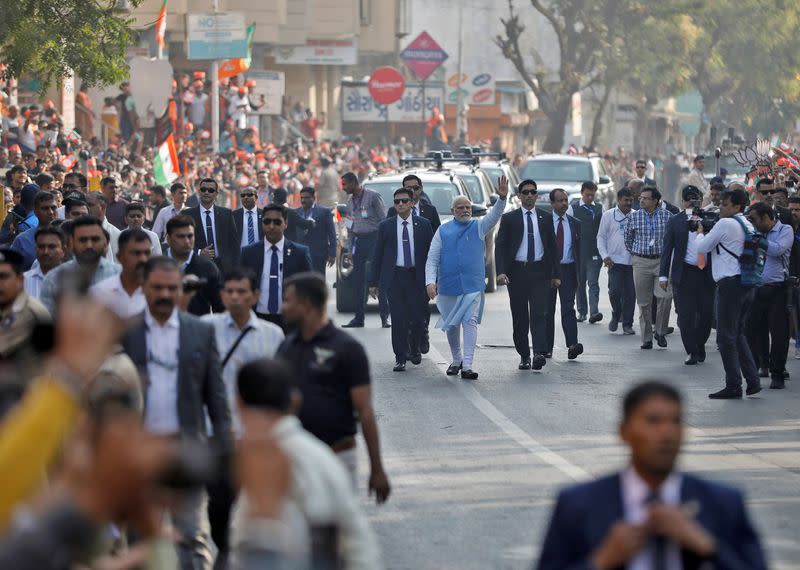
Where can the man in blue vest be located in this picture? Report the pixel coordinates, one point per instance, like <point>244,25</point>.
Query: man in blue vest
<point>458,276</point>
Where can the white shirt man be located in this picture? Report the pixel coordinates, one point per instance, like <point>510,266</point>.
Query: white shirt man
<point>111,293</point>
<point>161,398</point>
<point>165,215</point>
<point>728,233</point>
<point>263,298</point>
<point>400,262</point>
<point>33,280</point>
<point>611,236</point>
<point>522,252</point>
<point>113,242</point>
<point>248,217</point>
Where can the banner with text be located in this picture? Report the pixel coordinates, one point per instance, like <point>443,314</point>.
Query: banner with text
<point>359,106</point>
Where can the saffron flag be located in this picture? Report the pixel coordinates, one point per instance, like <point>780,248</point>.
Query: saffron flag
<point>231,67</point>
<point>161,25</point>
<point>165,163</point>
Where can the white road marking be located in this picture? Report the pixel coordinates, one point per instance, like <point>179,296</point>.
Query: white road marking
<point>502,421</point>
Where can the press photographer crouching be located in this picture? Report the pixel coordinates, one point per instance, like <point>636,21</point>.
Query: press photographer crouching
<point>768,322</point>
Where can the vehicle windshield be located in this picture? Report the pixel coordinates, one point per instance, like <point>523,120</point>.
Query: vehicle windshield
<point>473,185</point>
<point>727,162</point>
<point>441,194</point>
<point>495,172</point>
<point>557,170</point>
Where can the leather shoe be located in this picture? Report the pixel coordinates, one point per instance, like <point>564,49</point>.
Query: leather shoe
<point>613,325</point>
<point>581,318</point>
<point>690,360</point>
<point>453,369</point>
<point>400,367</point>
<point>701,355</point>
<point>777,384</point>
<point>538,361</point>
<point>386,324</point>
<point>596,318</point>
<point>763,372</point>
<point>525,364</point>
<point>752,390</point>
<point>628,330</point>
<point>647,345</point>
<point>354,324</point>
<point>469,375</point>
<point>670,330</point>
<point>661,340</point>
<point>727,394</point>
<point>574,351</point>
<point>415,358</point>
<point>424,344</point>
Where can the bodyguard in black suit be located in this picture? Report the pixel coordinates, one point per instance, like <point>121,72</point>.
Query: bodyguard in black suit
<point>248,218</point>
<point>568,252</point>
<point>321,238</point>
<point>399,269</point>
<point>216,237</point>
<point>180,246</point>
<point>589,214</point>
<point>692,284</point>
<point>525,253</point>
<point>274,259</point>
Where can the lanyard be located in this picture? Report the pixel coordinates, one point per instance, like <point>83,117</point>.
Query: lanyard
<point>588,209</point>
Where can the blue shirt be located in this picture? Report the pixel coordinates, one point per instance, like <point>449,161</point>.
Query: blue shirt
<point>25,244</point>
<point>644,234</point>
<point>780,239</point>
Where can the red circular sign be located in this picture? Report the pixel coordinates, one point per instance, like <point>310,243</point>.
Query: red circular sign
<point>386,85</point>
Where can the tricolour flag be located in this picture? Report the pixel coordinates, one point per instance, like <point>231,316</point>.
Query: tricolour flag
<point>165,163</point>
<point>231,67</point>
<point>161,25</point>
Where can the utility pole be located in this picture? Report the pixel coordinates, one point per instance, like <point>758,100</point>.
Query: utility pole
<point>215,97</point>
<point>461,117</point>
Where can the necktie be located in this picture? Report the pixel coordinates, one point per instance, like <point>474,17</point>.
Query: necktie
<point>658,542</point>
<point>209,229</point>
<point>407,261</point>
<point>531,243</point>
<point>251,230</point>
<point>272,302</point>
<point>560,238</point>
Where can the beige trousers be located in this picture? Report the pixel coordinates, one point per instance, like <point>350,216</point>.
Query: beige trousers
<point>645,281</point>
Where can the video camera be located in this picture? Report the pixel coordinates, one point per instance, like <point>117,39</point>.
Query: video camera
<point>707,220</point>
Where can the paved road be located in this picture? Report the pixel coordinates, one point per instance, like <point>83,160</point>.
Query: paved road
<point>475,465</point>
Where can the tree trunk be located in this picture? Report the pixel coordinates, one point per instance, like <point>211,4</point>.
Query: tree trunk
<point>554,141</point>
<point>597,124</point>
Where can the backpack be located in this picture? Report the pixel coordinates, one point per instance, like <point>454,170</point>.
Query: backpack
<point>754,255</point>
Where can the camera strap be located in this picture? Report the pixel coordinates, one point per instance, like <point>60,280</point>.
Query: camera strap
<point>235,345</point>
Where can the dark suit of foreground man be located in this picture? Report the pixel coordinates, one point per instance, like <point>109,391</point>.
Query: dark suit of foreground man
<point>650,516</point>
<point>398,268</point>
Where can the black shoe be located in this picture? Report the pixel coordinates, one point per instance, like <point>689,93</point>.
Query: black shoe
<point>647,345</point>
<point>525,363</point>
<point>670,330</point>
<point>400,367</point>
<point>613,325</point>
<point>752,390</point>
<point>548,354</point>
<point>575,351</point>
<point>691,360</point>
<point>424,345</point>
<point>538,361</point>
<point>354,324</point>
<point>777,384</point>
<point>581,318</point>
<point>453,369</point>
<point>415,358</point>
<point>701,354</point>
<point>763,372</point>
<point>596,318</point>
<point>727,394</point>
<point>661,340</point>
<point>386,324</point>
<point>469,375</point>
<point>628,330</point>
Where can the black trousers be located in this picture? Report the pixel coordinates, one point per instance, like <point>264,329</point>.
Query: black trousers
<point>364,250</point>
<point>768,328</point>
<point>275,319</point>
<point>694,303</point>
<point>407,300</point>
<point>318,263</point>
<point>622,294</point>
<point>566,294</point>
<point>221,497</point>
<point>529,295</point>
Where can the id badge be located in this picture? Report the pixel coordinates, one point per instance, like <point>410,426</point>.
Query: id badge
<point>348,223</point>
<point>652,242</point>
<point>364,214</point>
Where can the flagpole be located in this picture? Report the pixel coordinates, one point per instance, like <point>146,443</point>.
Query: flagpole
<point>215,98</point>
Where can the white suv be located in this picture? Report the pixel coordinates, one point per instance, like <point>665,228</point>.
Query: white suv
<point>569,172</point>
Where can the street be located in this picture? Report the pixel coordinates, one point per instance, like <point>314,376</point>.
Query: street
<point>475,466</point>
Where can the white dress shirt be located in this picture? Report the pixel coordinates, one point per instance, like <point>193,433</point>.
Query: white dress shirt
<point>635,494</point>
<point>33,280</point>
<point>155,243</point>
<point>263,297</point>
<point>691,244</point>
<point>522,252</point>
<point>113,243</point>
<point>567,254</point>
<point>164,215</point>
<point>202,227</point>
<point>611,236</point>
<point>111,293</point>
<point>245,215</point>
<point>161,399</point>
<point>727,232</point>
<point>410,226</point>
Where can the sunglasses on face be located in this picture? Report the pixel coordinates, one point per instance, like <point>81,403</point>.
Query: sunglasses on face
<point>70,187</point>
<point>768,192</point>
<point>271,221</point>
<point>402,200</point>
<point>207,190</point>
<point>527,192</point>
<point>412,188</point>
<point>248,195</point>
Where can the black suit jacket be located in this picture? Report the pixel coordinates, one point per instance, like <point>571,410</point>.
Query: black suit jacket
<point>227,235</point>
<point>426,210</point>
<point>386,251</point>
<point>200,384</point>
<point>784,215</point>
<point>241,225</point>
<point>208,298</point>
<point>584,514</point>
<point>296,259</point>
<point>575,234</point>
<point>321,237</point>
<point>676,240</point>
<point>510,236</point>
<point>590,224</point>
<point>296,226</point>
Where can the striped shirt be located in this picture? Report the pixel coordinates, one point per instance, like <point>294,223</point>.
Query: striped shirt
<point>644,234</point>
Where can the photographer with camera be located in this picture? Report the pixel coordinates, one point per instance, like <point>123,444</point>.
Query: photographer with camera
<point>727,242</point>
<point>689,273</point>
<point>769,318</point>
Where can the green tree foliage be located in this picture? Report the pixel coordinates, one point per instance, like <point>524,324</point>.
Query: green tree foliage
<point>50,39</point>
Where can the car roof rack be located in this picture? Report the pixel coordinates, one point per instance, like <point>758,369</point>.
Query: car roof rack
<point>476,151</point>
<point>434,157</point>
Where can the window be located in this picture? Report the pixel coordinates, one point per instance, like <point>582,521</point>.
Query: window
<point>365,12</point>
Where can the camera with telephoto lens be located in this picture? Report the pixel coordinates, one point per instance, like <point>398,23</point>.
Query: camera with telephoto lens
<point>707,220</point>
<point>193,283</point>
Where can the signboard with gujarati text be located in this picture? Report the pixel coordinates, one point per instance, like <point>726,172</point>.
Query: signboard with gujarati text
<point>359,106</point>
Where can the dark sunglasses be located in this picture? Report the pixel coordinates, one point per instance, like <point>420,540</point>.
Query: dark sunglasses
<point>207,190</point>
<point>272,221</point>
<point>70,186</point>
<point>412,188</point>
<point>527,192</point>
<point>768,192</point>
<point>402,200</point>
<point>248,195</point>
